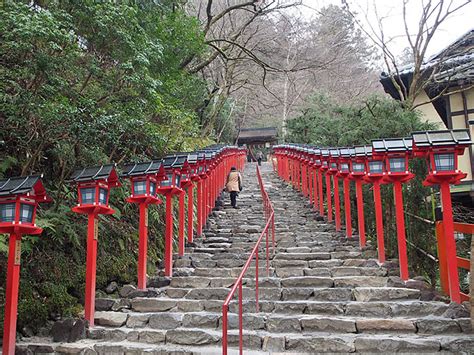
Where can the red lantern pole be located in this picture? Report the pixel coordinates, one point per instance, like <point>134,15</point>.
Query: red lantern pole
<point>315,189</point>
<point>347,207</point>
<point>450,243</point>
<point>169,236</point>
<point>401,237</point>
<point>360,212</point>
<point>379,221</point>
<point>91,266</point>
<point>337,204</point>
<point>11,294</point>
<point>181,224</point>
<point>199,208</point>
<point>142,245</point>
<point>310,184</point>
<point>328,196</point>
<point>190,212</point>
<point>321,197</point>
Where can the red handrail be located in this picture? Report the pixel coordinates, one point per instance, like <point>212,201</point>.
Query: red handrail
<point>462,263</point>
<point>269,214</point>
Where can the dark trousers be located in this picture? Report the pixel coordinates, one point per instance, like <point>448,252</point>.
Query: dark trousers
<point>233,198</point>
<point>259,161</point>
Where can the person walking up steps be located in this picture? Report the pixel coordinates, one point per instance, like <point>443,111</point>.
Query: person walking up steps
<point>234,185</point>
<point>259,158</point>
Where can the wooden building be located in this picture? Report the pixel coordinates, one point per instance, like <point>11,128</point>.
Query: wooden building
<point>451,92</point>
<point>258,138</point>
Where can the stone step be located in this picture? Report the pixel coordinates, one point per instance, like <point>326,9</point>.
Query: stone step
<point>282,323</point>
<point>197,341</point>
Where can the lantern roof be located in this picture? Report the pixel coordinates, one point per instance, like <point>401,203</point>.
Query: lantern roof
<point>345,152</point>
<point>145,168</point>
<point>363,151</point>
<point>392,145</point>
<point>455,137</point>
<point>170,161</point>
<point>95,173</point>
<point>21,185</point>
<point>334,152</point>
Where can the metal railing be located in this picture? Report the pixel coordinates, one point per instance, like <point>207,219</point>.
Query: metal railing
<point>267,230</point>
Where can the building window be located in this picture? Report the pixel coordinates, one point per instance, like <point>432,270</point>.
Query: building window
<point>26,213</point>
<point>444,162</point>
<point>397,165</point>
<point>7,212</point>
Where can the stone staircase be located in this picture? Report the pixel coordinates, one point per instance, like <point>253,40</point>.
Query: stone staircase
<point>322,294</point>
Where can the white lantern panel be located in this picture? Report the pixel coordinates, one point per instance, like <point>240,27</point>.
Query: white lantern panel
<point>88,195</point>
<point>397,165</point>
<point>26,212</point>
<point>444,162</point>
<point>7,212</point>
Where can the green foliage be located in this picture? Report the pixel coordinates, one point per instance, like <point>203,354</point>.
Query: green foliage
<point>324,122</point>
<point>83,83</point>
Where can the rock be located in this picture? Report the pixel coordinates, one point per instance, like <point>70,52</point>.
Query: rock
<point>307,281</point>
<point>384,325</point>
<point>456,310</point>
<point>104,304</point>
<point>158,282</point>
<point>190,282</point>
<point>324,308</point>
<point>123,303</point>
<point>333,325</point>
<point>137,320</point>
<point>283,325</point>
<point>249,321</point>
<point>111,288</point>
<point>190,306</point>
<point>365,294</point>
<point>143,293</point>
<point>273,343</point>
<point>126,289</point>
<point>152,304</point>
<point>369,309</point>
<point>23,350</point>
<point>111,319</point>
<point>387,344</point>
<point>332,294</point>
<point>165,320</point>
<point>190,337</point>
<point>317,344</point>
<point>152,336</point>
<point>437,326</point>
<point>61,330</point>
<point>201,320</point>
<point>360,281</point>
<point>78,330</point>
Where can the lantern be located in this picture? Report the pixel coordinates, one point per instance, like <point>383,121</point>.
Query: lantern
<point>93,184</point>
<point>333,171</point>
<point>396,153</point>
<point>375,168</point>
<point>441,149</point>
<point>144,178</point>
<point>358,166</point>
<point>344,172</point>
<point>19,199</point>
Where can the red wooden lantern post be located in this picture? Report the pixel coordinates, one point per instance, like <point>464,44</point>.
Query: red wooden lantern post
<point>19,198</point>
<point>169,188</point>
<point>325,169</point>
<point>314,167</point>
<point>344,173</point>
<point>333,171</point>
<point>193,177</point>
<point>357,174</point>
<point>375,174</point>
<point>144,179</point>
<point>304,171</point>
<point>397,152</point>
<point>201,176</point>
<point>94,186</point>
<point>441,149</point>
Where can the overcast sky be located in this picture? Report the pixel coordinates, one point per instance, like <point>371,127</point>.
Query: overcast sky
<point>448,32</point>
